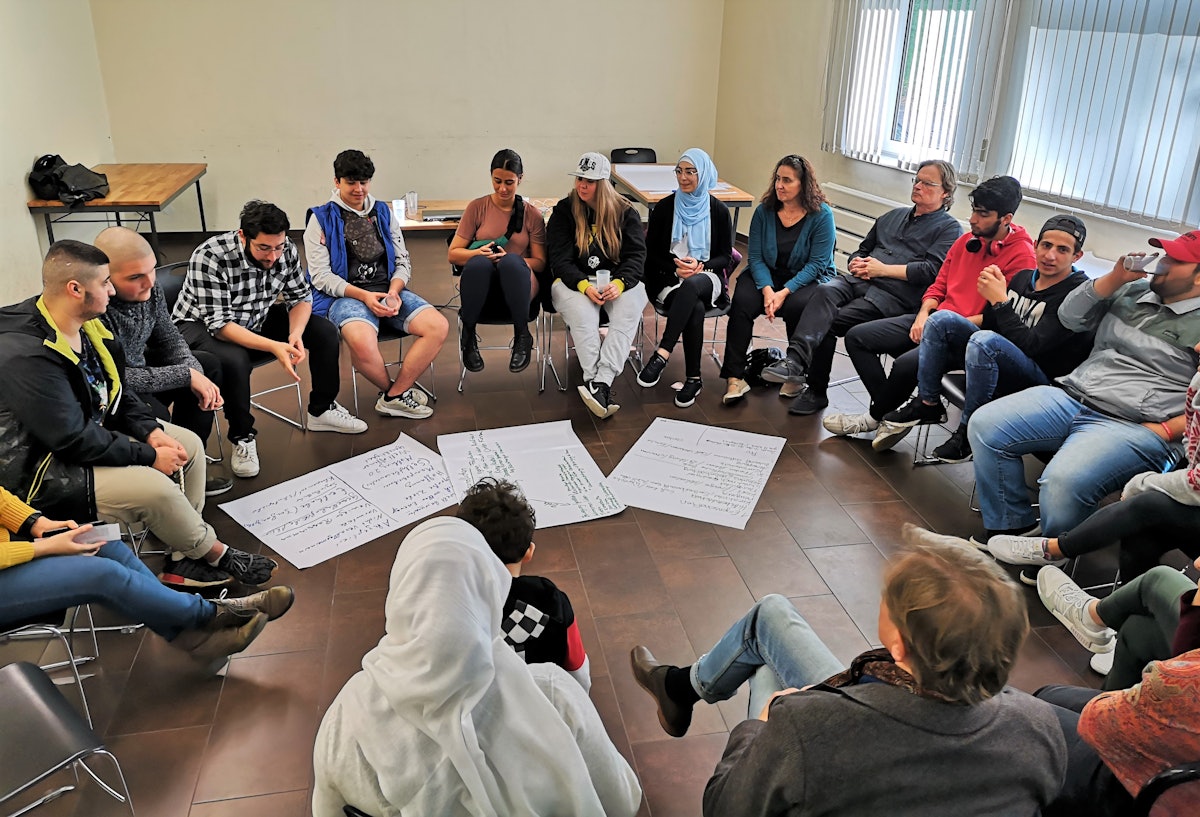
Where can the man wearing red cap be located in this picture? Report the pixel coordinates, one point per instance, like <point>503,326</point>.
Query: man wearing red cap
<point>1118,414</point>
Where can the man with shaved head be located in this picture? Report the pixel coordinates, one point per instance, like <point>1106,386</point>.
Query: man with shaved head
<point>78,444</point>
<point>159,366</point>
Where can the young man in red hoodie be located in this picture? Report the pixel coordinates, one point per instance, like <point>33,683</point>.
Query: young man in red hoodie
<point>994,240</point>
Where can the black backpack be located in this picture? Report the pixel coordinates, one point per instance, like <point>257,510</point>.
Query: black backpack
<point>53,178</point>
<point>758,360</point>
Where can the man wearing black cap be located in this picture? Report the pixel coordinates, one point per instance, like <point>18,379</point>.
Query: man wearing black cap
<point>1021,342</point>
<point>1118,414</point>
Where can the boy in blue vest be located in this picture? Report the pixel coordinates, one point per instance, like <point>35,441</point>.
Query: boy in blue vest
<point>538,621</point>
<point>360,271</point>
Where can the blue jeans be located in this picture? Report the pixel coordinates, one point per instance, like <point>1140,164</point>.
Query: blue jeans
<point>114,577</point>
<point>994,365</point>
<point>772,647</point>
<point>1096,455</point>
<point>344,310</point>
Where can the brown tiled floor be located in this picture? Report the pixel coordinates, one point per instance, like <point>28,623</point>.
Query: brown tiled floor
<point>828,519</point>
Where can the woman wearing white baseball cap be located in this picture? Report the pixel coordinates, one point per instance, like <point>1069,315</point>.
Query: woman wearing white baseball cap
<point>597,251</point>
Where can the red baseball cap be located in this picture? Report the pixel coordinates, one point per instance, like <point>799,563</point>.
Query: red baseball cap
<point>1185,248</point>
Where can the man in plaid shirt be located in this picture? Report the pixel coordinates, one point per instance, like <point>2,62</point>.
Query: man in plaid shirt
<point>228,307</point>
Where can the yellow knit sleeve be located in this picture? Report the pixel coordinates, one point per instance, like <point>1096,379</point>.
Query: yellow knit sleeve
<point>15,553</point>
<point>13,512</point>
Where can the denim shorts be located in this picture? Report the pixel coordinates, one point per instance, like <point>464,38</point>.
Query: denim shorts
<point>344,310</point>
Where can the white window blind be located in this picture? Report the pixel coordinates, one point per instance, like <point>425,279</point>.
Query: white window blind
<point>1087,102</point>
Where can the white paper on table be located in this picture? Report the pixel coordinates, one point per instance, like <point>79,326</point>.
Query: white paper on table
<point>333,510</point>
<point>696,471</point>
<point>545,460</point>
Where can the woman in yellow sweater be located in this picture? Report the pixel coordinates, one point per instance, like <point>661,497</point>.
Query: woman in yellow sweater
<point>44,568</point>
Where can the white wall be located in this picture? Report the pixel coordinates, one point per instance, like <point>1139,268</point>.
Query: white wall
<point>267,92</point>
<point>770,96</point>
<point>52,101</point>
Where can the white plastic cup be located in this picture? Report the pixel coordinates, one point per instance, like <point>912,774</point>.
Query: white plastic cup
<point>410,202</point>
<point>603,279</point>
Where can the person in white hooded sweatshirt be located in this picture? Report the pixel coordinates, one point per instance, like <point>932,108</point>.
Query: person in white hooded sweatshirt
<point>445,718</point>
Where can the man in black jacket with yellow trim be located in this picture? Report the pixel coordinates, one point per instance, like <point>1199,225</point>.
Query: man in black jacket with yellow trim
<point>77,444</point>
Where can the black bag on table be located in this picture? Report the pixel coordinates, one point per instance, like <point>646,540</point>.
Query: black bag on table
<point>53,178</point>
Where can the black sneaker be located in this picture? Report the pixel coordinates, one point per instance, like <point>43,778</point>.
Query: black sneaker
<point>472,360</point>
<point>787,370</point>
<point>215,486</point>
<point>955,449</point>
<point>917,412</point>
<point>808,402</point>
<point>521,353</point>
<point>652,371</point>
<point>687,395</point>
<point>597,396</point>
<point>192,573</point>
<point>247,568</point>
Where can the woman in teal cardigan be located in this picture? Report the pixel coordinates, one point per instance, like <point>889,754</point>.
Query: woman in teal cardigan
<point>790,252</point>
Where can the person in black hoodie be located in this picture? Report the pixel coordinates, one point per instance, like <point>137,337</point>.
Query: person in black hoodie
<point>1021,342</point>
<point>597,251</point>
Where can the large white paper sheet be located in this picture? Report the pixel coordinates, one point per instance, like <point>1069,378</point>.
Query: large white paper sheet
<point>696,471</point>
<point>333,510</point>
<point>546,460</point>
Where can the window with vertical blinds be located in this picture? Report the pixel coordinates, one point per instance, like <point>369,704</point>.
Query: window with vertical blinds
<point>1087,102</point>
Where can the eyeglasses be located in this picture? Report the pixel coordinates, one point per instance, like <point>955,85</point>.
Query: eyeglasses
<point>924,182</point>
<point>690,172</point>
<point>266,249</point>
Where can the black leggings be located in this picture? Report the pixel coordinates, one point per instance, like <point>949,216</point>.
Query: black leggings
<point>1147,526</point>
<point>685,308</point>
<point>511,274</point>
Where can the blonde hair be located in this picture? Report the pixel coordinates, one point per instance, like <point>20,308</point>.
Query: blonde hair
<point>958,613</point>
<point>609,207</point>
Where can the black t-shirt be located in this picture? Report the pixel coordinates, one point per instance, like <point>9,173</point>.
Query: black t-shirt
<point>785,242</point>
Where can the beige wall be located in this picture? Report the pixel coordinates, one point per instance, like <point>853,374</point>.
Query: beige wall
<point>267,92</point>
<point>51,101</point>
<point>769,103</point>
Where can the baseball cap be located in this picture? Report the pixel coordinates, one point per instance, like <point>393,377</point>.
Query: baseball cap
<point>592,166</point>
<point>1071,225</point>
<point>1185,248</point>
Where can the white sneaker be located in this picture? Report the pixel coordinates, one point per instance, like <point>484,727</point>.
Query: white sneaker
<point>1068,602</point>
<point>889,434</point>
<point>406,405</point>
<point>336,418</point>
<point>1102,662</point>
<point>1021,550</point>
<point>846,424</point>
<point>244,460</point>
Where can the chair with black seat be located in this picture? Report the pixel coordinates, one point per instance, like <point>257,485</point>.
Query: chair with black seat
<point>954,389</point>
<point>633,156</point>
<point>170,275</point>
<point>52,625</point>
<point>716,313</point>
<point>386,335</point>
<point>43,735</point>
<point>496,313</point>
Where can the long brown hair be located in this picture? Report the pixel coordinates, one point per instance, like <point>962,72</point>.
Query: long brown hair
<point>610,209</point>
<point>811,198</point>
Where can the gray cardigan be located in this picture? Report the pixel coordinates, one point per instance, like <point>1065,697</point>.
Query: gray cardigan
<point>879,749</point>
<point>146,327</point>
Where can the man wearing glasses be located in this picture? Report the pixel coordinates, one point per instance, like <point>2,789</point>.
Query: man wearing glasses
<point>228,307</point>
<point>894,265</point>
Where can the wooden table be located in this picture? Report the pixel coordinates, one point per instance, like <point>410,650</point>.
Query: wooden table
<point>650,184</point>
<point>454,209</point>
<point>132,188</point>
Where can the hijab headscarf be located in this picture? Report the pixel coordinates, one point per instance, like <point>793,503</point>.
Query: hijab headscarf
<point>691,209</point>
<point>445,714</point>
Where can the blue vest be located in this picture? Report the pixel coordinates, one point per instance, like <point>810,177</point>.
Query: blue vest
<point>328,215</point>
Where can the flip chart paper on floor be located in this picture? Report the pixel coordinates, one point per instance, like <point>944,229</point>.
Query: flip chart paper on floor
<point>546,460</point>
<point>696,471</point>
<point>335,509</point>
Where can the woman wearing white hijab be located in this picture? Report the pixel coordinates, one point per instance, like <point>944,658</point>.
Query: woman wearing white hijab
<point>689,250</point>
<point>446,719</point>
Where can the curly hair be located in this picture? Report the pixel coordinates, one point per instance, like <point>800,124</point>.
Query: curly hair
<point>499,510</point>
<point>811,197</point>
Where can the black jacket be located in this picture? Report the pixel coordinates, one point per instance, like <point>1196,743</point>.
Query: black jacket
<point>570,266</point>
<point>660,263</point>
<point>48,441</point>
